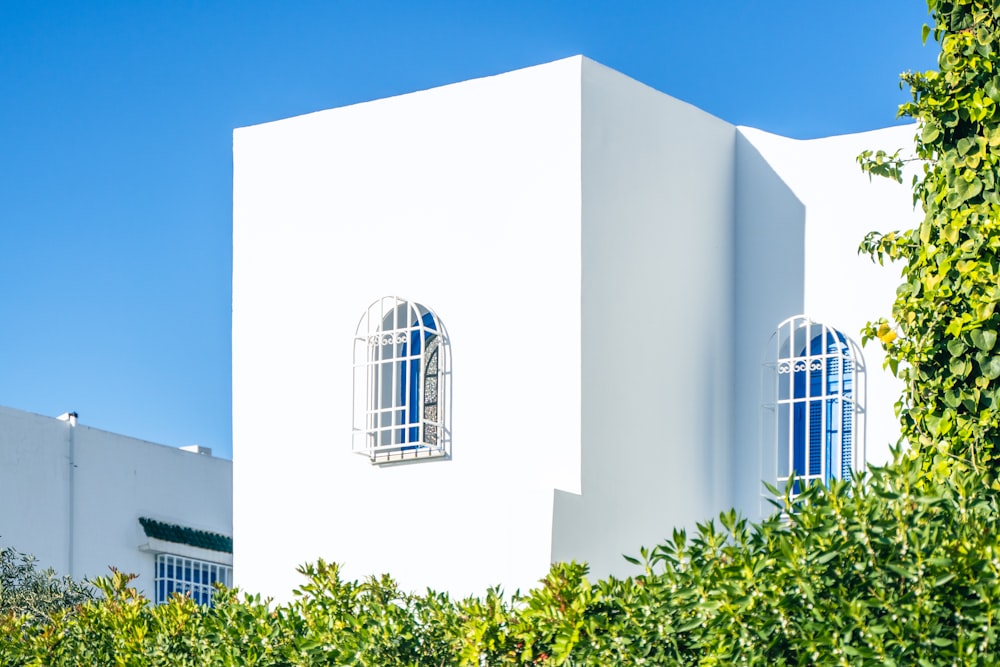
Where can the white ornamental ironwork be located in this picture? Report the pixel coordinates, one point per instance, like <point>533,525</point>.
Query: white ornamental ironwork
<point>401,382</point>
<point>813,389</point>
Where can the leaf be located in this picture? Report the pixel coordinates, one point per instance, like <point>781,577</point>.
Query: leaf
<point>951,399</point>
<point>944,580</point>
<point>901,571</point>
<point>886,334</point>
<point>950,234</point>
<point>975,187</point>
<point>929,133</point>
<point>984,339</point>
<point>957,347</point>
<point>992,89</point>
<point>991,368</point>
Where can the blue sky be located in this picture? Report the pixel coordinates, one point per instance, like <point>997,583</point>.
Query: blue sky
<point>116,122</point>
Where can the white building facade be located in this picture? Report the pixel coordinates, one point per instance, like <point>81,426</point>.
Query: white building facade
<point>82,500</point>
<point>529,318</point>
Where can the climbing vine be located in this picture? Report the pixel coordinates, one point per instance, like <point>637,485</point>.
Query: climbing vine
<point>942,337</point>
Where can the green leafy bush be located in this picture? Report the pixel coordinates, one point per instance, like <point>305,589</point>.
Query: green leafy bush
<point>881,572</point>
<point>32,593</point>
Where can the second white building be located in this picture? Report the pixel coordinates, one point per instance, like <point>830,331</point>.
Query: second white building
<point>82,501</point>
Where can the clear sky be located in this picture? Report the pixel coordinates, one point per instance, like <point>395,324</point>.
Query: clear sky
<point>116,123</point>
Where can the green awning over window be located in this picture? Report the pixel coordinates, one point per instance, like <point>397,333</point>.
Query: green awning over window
<point>171,532</point>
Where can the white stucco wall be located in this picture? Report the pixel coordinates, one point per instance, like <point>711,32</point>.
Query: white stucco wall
<point>34,455</point>
<point>114,481</point>
<point>657,280</point>
<point>609,264</point>
<point>466,199</point>
<point>769,238</point>
<point>840,287</point>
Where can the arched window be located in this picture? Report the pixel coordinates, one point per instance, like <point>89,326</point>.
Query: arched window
<point>814,393</point>
<point>400,374</point>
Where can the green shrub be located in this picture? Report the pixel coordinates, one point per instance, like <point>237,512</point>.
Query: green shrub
<point>31,593</point>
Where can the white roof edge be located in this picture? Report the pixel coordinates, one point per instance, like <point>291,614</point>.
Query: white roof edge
<point>750,132</point>
<point>578,58</point>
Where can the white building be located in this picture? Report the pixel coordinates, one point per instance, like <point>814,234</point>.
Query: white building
<point>546,303</point>
<point>82,500</point>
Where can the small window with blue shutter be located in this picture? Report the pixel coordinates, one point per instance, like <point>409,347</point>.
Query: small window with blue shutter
<point>401,379</point>
<point>814,403</point>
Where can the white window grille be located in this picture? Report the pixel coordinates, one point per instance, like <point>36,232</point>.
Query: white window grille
<point>814,404</point>
<point>401,382</point>
<point>190,576</point>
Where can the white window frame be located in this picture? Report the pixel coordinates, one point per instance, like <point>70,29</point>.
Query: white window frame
<point>188,576</point>
<point>840,396</point>
<point>400,409</point>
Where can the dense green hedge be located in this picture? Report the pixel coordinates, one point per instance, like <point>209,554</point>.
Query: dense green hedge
<point>900,567</point>
<point>889,572</point>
